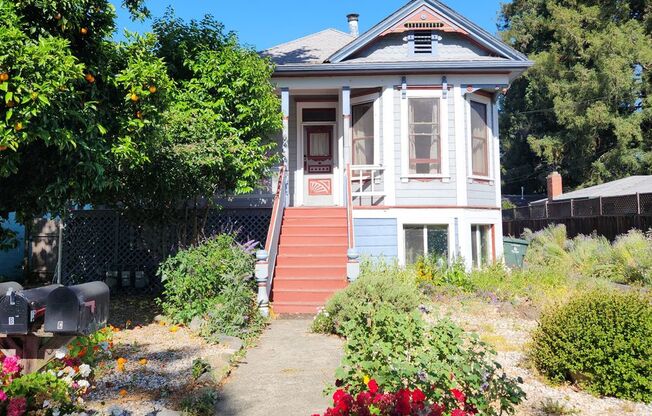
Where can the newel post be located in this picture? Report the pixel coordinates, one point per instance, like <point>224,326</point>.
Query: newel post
<point>262,277</point>
<point>352,265</point>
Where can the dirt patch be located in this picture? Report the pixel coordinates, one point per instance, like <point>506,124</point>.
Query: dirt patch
<point>152,366</point>
<point>507,326</point>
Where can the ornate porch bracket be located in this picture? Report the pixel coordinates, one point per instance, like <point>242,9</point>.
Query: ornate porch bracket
<point>262,277</point>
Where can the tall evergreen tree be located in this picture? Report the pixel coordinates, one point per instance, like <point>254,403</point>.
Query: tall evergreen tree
<point>585,107</point>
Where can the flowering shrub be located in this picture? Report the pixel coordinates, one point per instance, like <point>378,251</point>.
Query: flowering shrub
<point>59,389</point>
<point>404,402</point>
<point>403,351</point>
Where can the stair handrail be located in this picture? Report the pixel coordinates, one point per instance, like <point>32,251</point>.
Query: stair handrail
<point>267,257</point>
<point>349,208</point>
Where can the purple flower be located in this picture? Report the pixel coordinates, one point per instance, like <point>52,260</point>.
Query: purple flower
<point>11,365</point>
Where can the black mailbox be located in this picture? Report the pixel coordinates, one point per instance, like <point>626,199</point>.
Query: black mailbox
<point>22,310</point>
<point>4,286</point>
<point>79,310</point>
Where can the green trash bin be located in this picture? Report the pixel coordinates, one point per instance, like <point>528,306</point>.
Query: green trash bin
<point>515,249</point>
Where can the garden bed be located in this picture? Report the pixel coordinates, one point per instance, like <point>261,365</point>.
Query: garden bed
<point>507,326</point>
<point>152,367</point>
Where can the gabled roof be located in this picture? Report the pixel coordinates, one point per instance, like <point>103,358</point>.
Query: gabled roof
<point>451,17</point>
<point>311,49</point>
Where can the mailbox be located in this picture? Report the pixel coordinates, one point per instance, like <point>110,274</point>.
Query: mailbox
<point>78,310</point>
<point>4,286</point>
<point>22,310</point>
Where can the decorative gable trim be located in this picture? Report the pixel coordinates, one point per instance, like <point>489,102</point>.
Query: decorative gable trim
<point>436,14</point>
<point>424,18</point>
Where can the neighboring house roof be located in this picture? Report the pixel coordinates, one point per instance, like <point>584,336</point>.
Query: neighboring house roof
<point>626,186</point>
<point>334,51</point>
<point>311,49</point>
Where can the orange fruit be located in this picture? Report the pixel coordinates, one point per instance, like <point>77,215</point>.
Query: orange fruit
<point>4,76</point>
<point>57,16</point>
<point>139,114</point>
<point>134,97</point>
<point>83,31</point>
<point>123,392</point>
<point>3,148</point>
<point>90,78</point>
<point>152,89</point>
<point>18,126</point>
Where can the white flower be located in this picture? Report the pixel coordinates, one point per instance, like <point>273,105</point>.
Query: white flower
<point>56,412</point>
<point>46,404</point>
<point>83,384</point>
<point>61,353</point>
<point>85,370</point>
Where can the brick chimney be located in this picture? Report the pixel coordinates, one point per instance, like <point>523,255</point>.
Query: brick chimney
<point>555,186</point>
<point>353,24</point>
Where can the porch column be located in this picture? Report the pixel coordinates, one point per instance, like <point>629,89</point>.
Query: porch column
<point>346,124</point>
<point>285,108</point>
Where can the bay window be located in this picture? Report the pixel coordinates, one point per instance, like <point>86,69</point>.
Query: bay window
<point>479,139</point>
<point>424,136</point>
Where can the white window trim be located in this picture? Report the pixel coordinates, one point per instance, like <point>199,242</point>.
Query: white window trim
<point>405,146</point>
<point>469,137</point>
<point>369,98</point>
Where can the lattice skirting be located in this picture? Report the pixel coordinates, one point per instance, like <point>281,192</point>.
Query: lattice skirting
<point>126,252</point>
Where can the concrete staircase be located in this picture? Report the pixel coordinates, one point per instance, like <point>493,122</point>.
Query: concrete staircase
<point>311,262</point>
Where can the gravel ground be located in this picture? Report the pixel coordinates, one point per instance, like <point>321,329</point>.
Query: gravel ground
<point>157,372</point>
<point>508,328</point>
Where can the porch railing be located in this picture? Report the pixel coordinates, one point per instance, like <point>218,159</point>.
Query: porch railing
<point>367,181</point>
<point>267,257</point>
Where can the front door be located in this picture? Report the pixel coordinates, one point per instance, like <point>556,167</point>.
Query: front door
<point>318,166</point>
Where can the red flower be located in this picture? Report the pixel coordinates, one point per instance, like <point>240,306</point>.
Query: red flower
<point>364,399</point>
<point>373,386</point>
<point>418,396</point>
<point>403,402</point>
<point>437,410</point>
<point>458,412</point>
<point>459,396</point>
<point>338,396</point>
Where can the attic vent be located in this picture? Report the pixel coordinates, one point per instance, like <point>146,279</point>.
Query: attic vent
<point>424,25</point>
<point>423,42</point>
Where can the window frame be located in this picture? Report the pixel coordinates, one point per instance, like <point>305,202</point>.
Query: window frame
<point>476,236</point>
<point>490,137</point>
<point>366,99</point>
<point>424,229</point>
<point>444,135</point>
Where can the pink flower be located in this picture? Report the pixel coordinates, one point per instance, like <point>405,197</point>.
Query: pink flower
<point>3,396</point>
<point>17,407</point>
<point>458,412</point>
<point>11,365</point>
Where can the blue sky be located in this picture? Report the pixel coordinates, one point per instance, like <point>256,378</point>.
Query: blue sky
<point>265,23</point>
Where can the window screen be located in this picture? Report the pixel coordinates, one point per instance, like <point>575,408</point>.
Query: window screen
<point>363,134</point>
<point>479,142</point>
<point>318,114</point>
<point>481,245</point>
<point>424,136</point>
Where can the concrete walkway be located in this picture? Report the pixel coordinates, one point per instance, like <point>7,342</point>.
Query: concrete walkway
<point>284,375</point>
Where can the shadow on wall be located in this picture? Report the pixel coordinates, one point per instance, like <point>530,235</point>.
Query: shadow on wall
<point>11,260</point>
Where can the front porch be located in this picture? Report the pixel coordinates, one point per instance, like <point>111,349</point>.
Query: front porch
<point>331,142</point>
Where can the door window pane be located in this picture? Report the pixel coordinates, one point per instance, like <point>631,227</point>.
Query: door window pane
<point>413,244</point>
<point>363,134</point>
<point>319,144</point>
<point>424,136</point>
<point>479,142</point>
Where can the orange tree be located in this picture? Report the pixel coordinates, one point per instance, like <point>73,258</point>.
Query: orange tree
<point>160,118</point>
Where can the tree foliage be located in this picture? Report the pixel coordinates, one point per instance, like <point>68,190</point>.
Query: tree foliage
<point>585,106</point>
<point>144,123</point>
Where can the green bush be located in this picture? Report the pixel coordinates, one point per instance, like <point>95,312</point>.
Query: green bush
<point>195,278</point>
<point>379,284</point>
<point>435,271</point>
<point>401,350</point>
<point>601,341</point>
<point>632,257</point>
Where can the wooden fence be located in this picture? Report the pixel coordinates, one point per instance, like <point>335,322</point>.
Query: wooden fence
<point>608,216</point>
